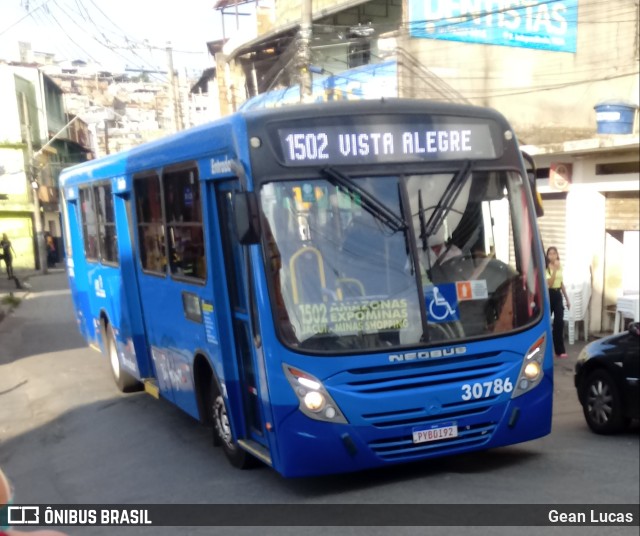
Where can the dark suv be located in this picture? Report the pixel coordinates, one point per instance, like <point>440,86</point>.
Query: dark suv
<point>607,378</point>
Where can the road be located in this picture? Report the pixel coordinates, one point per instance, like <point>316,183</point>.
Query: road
<point>67,436</point>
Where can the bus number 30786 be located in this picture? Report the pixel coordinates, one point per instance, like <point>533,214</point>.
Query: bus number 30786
<point>486,389</point>
<point>308,146</point>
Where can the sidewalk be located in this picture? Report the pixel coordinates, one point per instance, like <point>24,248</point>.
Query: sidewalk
<point>13,291</point>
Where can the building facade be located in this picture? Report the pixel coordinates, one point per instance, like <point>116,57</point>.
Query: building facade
<point>592,215</point>
<point>35,144</point>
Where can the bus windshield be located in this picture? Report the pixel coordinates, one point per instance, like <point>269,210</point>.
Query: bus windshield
<point>370,263</point>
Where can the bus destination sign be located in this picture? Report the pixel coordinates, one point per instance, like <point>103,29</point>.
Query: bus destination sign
<point>380,144</point>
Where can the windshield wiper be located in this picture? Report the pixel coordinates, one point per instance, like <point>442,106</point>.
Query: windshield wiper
<point>423,225</point>
<point>445,204</point>
<point>369,203</point>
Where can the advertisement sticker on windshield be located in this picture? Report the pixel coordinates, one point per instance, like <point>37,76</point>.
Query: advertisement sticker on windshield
<point>472,290</point>
<point>353,316</point>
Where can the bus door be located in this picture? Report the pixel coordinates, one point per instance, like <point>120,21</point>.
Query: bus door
<point>236,268</point>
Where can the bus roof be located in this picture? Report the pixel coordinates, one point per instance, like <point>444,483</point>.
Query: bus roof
<point>400,106</point>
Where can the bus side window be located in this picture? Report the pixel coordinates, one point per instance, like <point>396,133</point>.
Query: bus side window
<point>107,236</point>
<point>89,224</point>
<point>151,239</point>
<point>183,210</point>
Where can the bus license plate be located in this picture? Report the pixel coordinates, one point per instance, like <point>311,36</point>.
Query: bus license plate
<point>435,434</point>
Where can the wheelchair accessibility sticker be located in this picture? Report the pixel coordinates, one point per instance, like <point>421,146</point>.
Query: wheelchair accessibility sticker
<point>442,303</point>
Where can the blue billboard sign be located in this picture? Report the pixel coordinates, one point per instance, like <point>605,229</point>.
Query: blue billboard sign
<point>372,81</point>
<point>542,24</point>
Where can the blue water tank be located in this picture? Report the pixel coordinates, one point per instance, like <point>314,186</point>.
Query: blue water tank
<point>615,117</point>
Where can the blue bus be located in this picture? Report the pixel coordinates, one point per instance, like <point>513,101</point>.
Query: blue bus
<point>332,287</point>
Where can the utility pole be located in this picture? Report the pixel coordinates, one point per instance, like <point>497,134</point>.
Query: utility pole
<point>41,254</point>
<point>106,136</point>
<point>304,52</point>
<point>187,111</point>
<point>222,78</point>
<point>173,93</point>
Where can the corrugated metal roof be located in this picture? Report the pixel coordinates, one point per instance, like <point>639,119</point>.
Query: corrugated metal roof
<point>251,45</point>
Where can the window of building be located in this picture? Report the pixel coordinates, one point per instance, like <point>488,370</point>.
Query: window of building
<point>151,237</point>
<point>183,210</point>
<point>618,168</point>
<point>359,53</point>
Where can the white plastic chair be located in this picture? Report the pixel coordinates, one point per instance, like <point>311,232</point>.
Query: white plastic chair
<point>579,296</point>
<point>627,307</point>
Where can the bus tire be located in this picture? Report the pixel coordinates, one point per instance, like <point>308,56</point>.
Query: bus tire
<point>602,403</point>
<point>124,381</point>
<point>223,435</point>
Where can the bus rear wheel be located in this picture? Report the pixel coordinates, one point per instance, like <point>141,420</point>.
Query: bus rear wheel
<point>223,435</point>
<point>124,381</point>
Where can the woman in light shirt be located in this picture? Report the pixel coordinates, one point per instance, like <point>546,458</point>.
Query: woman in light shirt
<point>556,291</point>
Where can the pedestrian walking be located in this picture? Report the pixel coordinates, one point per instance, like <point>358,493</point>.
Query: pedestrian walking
<point>556,292</point>
<point>51,250</point>
<point>7,254</point>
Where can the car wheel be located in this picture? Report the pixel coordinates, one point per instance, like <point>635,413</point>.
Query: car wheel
<point>124,381</point>
<point>223,435</point>
<point>602,404</point>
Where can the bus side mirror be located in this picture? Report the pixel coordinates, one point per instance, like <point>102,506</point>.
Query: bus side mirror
<point>532,176</point>
<point>247,217</point>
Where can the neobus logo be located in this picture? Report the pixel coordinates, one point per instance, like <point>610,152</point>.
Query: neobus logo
<point>414,356</point>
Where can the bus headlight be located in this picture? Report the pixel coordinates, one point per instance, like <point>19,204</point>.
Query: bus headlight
<point>314,400</point>
<point>531,372</point>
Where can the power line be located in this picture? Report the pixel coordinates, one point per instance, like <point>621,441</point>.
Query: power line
<point>107,33</point>
<point>25,16</point>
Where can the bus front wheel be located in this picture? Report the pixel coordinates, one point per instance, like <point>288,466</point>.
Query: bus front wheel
<point>223,435</point>
<point>125,382</point>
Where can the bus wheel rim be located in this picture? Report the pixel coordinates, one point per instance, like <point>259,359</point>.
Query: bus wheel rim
<point>222,422</point>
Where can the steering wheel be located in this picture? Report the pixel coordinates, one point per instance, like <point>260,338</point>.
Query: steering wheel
<point>445,331</point>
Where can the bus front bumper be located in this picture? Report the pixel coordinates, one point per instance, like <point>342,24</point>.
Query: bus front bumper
<point>310,448</point>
